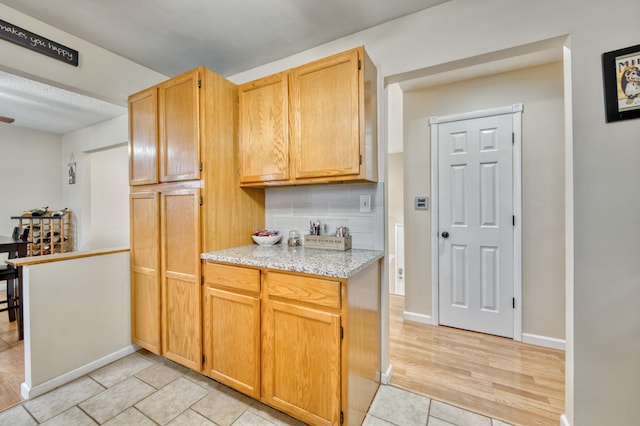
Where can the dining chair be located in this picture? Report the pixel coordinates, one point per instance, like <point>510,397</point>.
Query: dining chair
<point>10,275</point>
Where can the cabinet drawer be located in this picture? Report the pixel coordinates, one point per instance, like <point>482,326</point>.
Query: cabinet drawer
<point>304,289</point>
<point>231,277</point>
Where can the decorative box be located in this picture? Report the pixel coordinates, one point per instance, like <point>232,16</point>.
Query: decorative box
<point>328,242</point>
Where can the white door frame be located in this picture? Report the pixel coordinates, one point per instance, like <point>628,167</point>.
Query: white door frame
<point>516,111</point>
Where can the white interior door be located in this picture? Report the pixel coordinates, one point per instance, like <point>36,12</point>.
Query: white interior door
<point>476,224</point>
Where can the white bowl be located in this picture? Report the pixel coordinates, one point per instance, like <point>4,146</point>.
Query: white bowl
<point>267,240</point>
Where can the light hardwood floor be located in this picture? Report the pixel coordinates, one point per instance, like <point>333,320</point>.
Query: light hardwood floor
<point>11,360</point>
<point>498,377</point>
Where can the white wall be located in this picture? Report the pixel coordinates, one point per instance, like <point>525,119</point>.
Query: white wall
<point>607,225</point>
<point>63,338</point>
<point>29,173</point>
<point>109,198</point>
<point>79,197</point>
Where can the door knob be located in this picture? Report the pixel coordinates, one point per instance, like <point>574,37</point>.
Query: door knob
<point>445,234</point>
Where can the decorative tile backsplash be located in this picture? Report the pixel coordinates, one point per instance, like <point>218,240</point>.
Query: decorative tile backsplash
<point>291,208</point>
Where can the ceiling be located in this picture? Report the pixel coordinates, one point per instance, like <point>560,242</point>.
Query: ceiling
<point>171,37</point>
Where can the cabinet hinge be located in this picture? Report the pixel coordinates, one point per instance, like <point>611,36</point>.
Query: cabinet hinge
<point>341,417</point>
<point>201,279</point>
<point>199,83</point>
<point>200,166</point>
<point>341,332</point>
<point>514,302</point>
<point>201,200</point>
<point>202,359</point>
<point>359,64</point>
<point>360,159</point>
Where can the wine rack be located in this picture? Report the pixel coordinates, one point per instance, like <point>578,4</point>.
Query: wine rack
<point>49,233</point>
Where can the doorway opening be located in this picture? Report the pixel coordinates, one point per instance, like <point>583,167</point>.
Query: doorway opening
<point>540,87</point>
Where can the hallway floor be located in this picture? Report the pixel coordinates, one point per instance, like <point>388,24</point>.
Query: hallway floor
<point>498,377</point>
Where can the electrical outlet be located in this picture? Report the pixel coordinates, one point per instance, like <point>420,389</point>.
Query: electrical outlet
<point>365,204</point>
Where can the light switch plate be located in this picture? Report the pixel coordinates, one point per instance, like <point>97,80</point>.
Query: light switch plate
<point>365,204</point>
<point>422,203</point>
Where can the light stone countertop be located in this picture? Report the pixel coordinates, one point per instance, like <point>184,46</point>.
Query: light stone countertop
<point>329,263</point>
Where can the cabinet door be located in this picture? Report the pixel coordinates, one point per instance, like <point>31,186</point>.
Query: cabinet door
<point>179,128</point>
<point>263,133</point>
<point>301,362</point>
<point>143,137</point>
<point>232,339</point>
<point>145,270</point>
<point>325,117</point>
<point>181,317</point>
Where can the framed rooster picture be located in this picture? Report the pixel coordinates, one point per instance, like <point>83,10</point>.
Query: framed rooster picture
<point>621,75</point>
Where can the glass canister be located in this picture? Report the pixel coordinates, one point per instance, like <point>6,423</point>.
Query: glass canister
<point>294,239</point>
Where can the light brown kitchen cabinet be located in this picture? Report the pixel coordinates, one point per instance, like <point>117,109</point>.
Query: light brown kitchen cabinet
<point>144,212</point>
<point>330,131</point>
<point>179,124</point>
<point>231,324</point>
<point>301,333</point>
<point>263,140</point>
<point>304,344</point>
<point>180,278</point>
<point>164,131</point>
<point>143,137</point>
<point>185,199</point>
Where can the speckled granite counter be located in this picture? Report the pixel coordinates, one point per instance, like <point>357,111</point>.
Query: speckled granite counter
<point>330,263</point>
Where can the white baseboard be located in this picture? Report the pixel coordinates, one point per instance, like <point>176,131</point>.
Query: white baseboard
<point>564,421</point>
<point>29,392</point>
<point>421,318</point>
<point>385,378</point>
<point>548,342</point>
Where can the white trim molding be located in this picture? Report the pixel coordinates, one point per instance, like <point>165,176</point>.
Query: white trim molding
<point>547,342</point>
<point>385,378</point>
<point>28,392</point>
<point>564,421</point>
<point>421,318</point>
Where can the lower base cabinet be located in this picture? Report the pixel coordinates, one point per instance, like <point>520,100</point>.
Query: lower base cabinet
<point>232,327</point>
<point>306,345</point>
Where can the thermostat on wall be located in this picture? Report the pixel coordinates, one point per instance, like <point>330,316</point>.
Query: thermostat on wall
<point>422,203</point>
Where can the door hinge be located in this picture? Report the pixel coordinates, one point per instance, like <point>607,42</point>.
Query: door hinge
<point>514,302</point>
<point>359,64</point>
<point>201,200</point>
<point>200,166</point>
<point>341,417</point>
<point>514,220</point>
<point>199,83</point>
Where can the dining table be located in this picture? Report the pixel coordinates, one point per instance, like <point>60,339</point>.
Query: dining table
<point>15,247</point>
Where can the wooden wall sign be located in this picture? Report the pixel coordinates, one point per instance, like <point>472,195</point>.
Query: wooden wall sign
<point>39,44</point>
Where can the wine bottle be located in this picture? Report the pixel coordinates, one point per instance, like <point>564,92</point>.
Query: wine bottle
<point>60,212</point>
<point>40,211</point>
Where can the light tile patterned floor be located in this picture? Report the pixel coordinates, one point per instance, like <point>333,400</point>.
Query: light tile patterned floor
<point>144,389</point>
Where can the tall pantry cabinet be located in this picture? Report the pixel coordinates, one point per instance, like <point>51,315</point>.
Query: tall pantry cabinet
<point>185,199</point>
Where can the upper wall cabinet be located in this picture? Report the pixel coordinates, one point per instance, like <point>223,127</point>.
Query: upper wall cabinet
<point>164,131</point>
<point>312,124</point>
<point>143,137</point>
